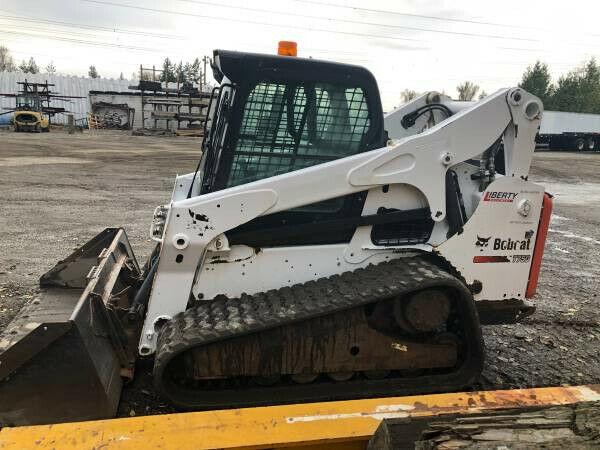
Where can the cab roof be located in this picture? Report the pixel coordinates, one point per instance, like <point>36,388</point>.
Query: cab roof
<point>246,68</point>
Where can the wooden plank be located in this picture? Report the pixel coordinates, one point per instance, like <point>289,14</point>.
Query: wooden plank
<point>326,425</point>
<point>189,133</point>
<point>164,114</point>
<point>200,101</point>
<point>187,116</point>
<point>170,102</point>
<point>555,427</point>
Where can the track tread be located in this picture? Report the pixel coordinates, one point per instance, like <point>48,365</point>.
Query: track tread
<point>225,318</point>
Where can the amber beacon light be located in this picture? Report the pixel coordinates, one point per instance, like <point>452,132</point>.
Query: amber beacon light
<point>287,48</point>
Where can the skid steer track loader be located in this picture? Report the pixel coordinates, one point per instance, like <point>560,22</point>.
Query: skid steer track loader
<point>319,251</point>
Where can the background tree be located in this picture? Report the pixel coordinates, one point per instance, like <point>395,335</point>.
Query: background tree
<point>407,95</point>
<point>467,91</point>
<point>145,75</point>
<point>483,95</point>
<point>590,85</point>
<point>188,72</point>
<point>93,73</point>
<point>50,67</point>
<point>121,77</point>
<point>193,72</point>
<point>180,75</point>
<point>537,81</point>
<point>578,91</point>
<point>29,66</point>
<point>7,63</point>
<point>33,67</point>
<point>168,71</point>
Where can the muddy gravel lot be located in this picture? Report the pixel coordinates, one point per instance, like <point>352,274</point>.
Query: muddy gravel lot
<point>59,190</point>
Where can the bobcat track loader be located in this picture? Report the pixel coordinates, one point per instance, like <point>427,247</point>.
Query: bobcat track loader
<point>321,250</point>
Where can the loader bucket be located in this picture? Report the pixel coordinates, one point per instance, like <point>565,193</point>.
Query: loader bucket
<point>64,355</point>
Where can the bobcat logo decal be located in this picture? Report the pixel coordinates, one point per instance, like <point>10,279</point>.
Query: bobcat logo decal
<point>482,241</point>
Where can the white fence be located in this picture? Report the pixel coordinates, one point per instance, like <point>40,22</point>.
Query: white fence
<point>64,85</point>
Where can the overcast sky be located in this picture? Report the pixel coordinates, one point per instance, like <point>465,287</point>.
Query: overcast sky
<point>420,45</point>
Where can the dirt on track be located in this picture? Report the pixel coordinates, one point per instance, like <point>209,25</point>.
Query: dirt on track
<point>59,190</point>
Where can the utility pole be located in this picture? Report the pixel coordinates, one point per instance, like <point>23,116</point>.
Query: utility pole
<point>205,60</point>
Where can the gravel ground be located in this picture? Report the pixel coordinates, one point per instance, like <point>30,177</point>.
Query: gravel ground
<point>59,190</point>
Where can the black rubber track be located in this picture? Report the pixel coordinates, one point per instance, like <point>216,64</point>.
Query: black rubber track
<point>221,319</point>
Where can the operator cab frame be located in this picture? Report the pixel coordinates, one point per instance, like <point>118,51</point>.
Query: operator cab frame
<point>283,106</point>
<point>28,102</point>
<point>275,114</point>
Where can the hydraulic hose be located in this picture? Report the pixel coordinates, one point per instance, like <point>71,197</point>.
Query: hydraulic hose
<point>143,294</point>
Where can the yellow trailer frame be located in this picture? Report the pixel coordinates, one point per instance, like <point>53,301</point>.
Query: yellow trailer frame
<point>329,425</point>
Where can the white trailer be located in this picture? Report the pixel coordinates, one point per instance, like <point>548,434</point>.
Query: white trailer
<point>569,131</point>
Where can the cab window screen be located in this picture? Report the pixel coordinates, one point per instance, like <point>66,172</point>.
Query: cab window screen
<point>286,127</point>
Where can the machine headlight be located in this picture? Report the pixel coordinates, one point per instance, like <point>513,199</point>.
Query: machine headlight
<point>157,229</point>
